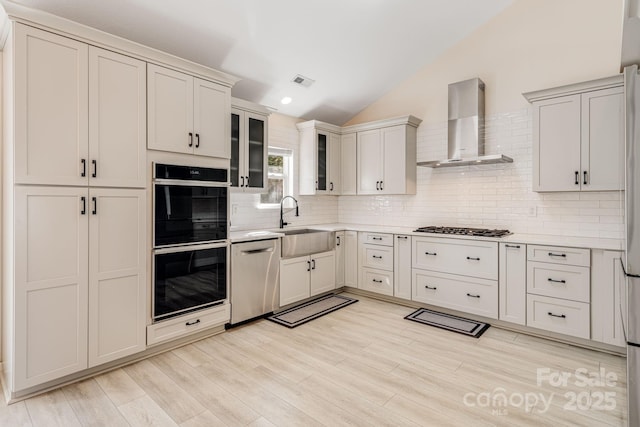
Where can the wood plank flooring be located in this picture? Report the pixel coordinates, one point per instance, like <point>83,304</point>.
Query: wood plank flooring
<point>363,365</point>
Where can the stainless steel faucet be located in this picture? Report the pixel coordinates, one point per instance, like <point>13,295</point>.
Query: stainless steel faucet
<point>282,223</point>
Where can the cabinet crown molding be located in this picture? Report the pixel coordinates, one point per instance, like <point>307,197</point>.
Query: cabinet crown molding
<point>574,88</point>
<point>251,107</point>
<point>378,124</point>
<point>11,13</point>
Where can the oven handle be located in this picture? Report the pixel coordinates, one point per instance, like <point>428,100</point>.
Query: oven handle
<point>187,183</point>
<point>188,248</point>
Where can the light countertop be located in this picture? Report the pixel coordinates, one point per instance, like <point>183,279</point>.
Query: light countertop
<point>538,239</point>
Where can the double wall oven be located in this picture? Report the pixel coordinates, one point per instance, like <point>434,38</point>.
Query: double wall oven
<point>190,245</point>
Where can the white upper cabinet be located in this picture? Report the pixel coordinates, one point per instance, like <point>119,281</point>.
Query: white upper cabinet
<point>249,146</point>
<point>579,137</point>
<point>51,108</point>
<point>117,120</point>
<point>186,114</point>
<point>386,160</point>
<point>83,122</point>
<point>320,158</point>
<point>348,175</point>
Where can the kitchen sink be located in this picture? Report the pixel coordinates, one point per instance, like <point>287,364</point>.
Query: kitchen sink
<point>306,241</point>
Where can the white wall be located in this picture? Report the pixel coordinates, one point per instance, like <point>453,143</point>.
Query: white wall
<point>533,44</point>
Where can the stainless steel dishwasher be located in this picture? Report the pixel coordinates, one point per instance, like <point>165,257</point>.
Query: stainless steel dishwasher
<point>255,279</point>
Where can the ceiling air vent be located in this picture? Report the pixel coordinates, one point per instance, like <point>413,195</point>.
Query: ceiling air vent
<point>303,81</point>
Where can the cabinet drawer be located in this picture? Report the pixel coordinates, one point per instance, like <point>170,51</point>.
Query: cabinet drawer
<point>465,257</point>
<point>376,281</point>
<point>477,296</point>
<point>376,238</point>
<point>374,256</point>
<point>188,324</point>
<point>559,255</point>
<point>558,315</point>
<point>558,281</point>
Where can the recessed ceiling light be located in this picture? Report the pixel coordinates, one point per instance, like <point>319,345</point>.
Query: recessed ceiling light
<point>286,100</point>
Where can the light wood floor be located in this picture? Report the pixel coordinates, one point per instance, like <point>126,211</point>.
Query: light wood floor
<point>363,365</point>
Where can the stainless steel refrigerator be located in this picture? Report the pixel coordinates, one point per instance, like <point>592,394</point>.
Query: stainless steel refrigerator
<point>630,58</point>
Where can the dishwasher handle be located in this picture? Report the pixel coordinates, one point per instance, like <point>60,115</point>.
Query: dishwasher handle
<point>257,251</point>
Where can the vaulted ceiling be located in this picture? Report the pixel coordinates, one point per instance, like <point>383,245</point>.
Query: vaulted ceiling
<point>355,50</point>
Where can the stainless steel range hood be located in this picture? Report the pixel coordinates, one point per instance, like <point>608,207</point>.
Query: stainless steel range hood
<point>466,128</point>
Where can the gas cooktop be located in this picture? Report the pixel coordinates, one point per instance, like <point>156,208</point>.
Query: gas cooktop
<point>464,231</point>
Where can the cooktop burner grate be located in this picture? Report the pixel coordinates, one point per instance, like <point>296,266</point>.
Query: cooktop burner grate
<point>464,231</point>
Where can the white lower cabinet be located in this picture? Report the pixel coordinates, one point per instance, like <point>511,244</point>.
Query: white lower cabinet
<point>607,285</point>
<point>558,315</point>
<point>80,280</point>
<point>402,267</point>
<point>512,283</point>
<point>558,289</point>
<point>351,259</point>
<point>340,261</point>
<point>306,276</point>
<point>187,324</point>
<point>470,295</point>
<point>375,262</point>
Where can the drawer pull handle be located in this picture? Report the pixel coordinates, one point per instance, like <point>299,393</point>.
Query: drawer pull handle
<point>562,316</point>
<point>431,253</point>
<point>473,259</point>
<point>429,287</point>
<point>376,256</point>
<point>473,296</point>
<point>512,246</point>
<point>556,281</point>
<point>403,237</point>
<point>560,255</point>
<point>376,238</point>
<point>195,322</point>
<point>377,281</point>
<point>308,265</point>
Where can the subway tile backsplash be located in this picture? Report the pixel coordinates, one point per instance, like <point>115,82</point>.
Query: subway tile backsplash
<point>491,196</point>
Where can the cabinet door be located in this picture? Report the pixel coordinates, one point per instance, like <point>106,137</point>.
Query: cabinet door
<point>603,140</point>
<point>256,151</point>
<point>351,259</point>
<point>51,275</point>
<point>348,162</point>
<point>369,164</point>
<point>402,267</point>
<point>117,274</point>
<point>294,280</point>
<point>340,259</point>
<point>323,272</point>
<point>606,276</point>
<point>322,162</point>
<point>51,108</point>
<point>334,164</point>
<point>170,110</point>
<point>211,108</point>
<point>394,168</point>
<point>556,146</point>
<point>236,168</point>
<point>117,120</point>
<point>512,283</point>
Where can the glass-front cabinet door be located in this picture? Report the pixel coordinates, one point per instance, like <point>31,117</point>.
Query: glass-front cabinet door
<point>249,139</point>
<point>321,167</point>
<point>257,149</point>
<point>234,170</point>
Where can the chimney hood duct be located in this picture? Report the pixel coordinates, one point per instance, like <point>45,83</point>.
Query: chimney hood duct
<point>466,127</point>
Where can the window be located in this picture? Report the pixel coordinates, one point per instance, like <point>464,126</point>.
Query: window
<point>279,176</point>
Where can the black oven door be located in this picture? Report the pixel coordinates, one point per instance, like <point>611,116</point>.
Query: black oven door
<point>185,214</point>
<point>188,279</point>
